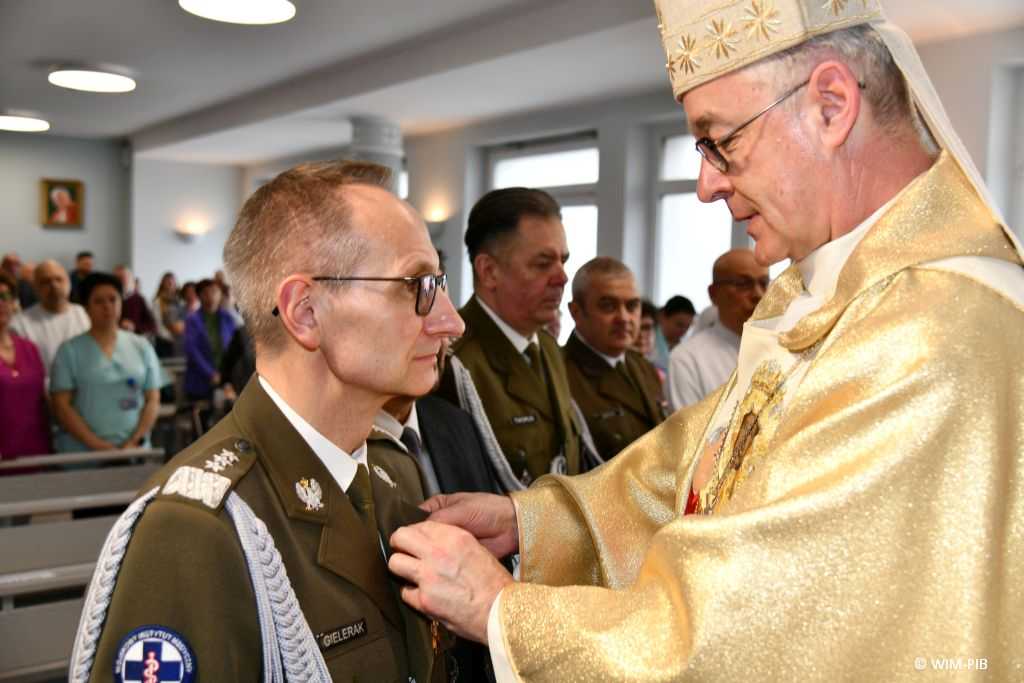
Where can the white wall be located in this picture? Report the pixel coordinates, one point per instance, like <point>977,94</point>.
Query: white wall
<point>976,79</point>
<point>27,158</point>
<point>165,194</point>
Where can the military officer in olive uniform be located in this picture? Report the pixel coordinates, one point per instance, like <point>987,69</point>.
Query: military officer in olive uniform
<point>262,547</point>
<point>616,388</point>
<point>517,389</point>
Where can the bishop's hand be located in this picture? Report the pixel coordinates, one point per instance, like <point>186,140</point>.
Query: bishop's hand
<point>491,519</point>
<point>454,579</point>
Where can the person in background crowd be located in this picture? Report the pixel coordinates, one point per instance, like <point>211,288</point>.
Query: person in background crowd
<point>517,246</point>
<point>83,266</point>
<point>616,388</point>
<point>189,297</point>
<point>105,384</point>
<point>228,305</point>
<point>238,363</point>
<point>53,320</point>
<point>674,320</point>
<point>135,314</point>
<point>703,361</point>
<point>13,266</point>
<point>24,420</point>
<point>169,313</point>
<point>208,331</point>
<point>644,342</point>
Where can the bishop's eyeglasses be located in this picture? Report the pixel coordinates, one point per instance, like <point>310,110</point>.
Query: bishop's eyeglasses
<point>712,149</point>
<point>426,287</point>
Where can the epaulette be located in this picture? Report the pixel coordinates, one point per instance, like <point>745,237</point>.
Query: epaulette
<point>204,476</point>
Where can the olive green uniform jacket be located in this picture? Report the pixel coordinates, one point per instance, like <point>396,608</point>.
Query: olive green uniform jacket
<point>184,568</point>
<point>620,404</point>
<point>532,418</point>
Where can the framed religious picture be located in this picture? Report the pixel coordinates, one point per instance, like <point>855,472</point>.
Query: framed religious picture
<point>61,203</point>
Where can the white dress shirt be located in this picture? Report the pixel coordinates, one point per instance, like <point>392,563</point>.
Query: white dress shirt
<point>612,361</point>
<point>340,465</point>
<point>518,341</point>
<point>700,364</point>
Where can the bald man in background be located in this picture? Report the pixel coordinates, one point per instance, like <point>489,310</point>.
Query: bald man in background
<point>53,320</point>
<point>703,362</point>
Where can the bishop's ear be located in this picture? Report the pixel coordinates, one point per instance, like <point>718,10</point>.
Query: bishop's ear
<point>296,311</point>
<point>837,96</point>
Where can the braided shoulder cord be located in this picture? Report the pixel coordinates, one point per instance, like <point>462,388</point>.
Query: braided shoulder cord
<point>291,640</point>
<point>590,455</point>
<point>104,578</point>
<point>470,401</point>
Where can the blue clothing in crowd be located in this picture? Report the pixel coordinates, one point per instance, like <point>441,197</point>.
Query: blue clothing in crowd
<point>108,392</point>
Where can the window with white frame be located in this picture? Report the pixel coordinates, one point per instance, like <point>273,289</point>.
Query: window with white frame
<point>567,169</point>
<point>689,235</point>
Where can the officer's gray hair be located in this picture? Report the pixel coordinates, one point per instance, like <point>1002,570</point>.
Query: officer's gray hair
<point>602,266</point>
<point>297,223</point>
<point>865,53</point>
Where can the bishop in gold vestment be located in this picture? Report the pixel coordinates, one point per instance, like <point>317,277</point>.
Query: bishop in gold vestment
<point>850,504</point>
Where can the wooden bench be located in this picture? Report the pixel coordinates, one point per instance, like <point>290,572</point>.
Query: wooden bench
<point>43,557</point>
<point>37,641</point>
<point>83,458</point>
<point>30,494</point>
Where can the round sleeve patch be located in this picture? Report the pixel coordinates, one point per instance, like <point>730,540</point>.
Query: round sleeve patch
<point>154,654</point>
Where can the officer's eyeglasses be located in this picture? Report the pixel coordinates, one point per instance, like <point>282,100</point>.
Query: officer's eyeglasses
<point>744,284</point>
<point>426,287</point>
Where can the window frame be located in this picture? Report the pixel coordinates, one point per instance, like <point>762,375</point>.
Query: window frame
<point>565,195</point>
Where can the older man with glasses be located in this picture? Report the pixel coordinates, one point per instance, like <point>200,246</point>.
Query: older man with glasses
<point>849,505</point>
<point>704,361</point>
<point>261,550</point>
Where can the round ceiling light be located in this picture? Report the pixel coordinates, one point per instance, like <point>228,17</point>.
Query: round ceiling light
<point>241,11</point>
<point>22,122</point>
<point>91,79</point>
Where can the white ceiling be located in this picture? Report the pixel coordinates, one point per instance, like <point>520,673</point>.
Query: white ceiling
<point>221,93</point>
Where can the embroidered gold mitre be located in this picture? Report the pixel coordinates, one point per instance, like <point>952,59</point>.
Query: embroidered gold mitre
<point>704,39</point>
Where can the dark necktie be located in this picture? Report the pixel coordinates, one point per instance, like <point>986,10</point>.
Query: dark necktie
<point>428,477</point>
<point>361,495</point>
<point>533,357</point>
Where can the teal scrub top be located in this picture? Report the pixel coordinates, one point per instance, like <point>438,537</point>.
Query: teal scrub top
<point>108,392</point>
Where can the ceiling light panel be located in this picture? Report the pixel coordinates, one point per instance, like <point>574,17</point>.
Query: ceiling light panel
<point>241,11</point>
<point>22,123</point>
<point>91,80</point>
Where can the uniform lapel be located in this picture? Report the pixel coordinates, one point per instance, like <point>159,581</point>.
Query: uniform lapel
<point>648,394</point>
<point>347,548</point>
<point>611,383</point>
<point>520,380</point>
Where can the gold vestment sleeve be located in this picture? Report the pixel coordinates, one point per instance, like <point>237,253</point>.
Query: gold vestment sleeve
<point>564,536</point>
<point>883,525</point>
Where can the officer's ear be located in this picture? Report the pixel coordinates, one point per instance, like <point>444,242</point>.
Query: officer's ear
<point>296,311</point>
<point>486,267</point>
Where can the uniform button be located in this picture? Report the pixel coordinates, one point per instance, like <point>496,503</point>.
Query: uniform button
<point>617,437</point>
<point>242,445</point>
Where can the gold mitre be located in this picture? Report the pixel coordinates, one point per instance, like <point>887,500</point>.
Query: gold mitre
<point>704,39</point>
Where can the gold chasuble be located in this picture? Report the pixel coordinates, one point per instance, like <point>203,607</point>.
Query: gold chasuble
<point>867,505</point>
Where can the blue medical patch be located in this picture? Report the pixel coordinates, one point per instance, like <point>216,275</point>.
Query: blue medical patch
<point>154,654</point>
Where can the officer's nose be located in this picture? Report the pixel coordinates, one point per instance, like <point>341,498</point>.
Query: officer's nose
<point>443,320</point>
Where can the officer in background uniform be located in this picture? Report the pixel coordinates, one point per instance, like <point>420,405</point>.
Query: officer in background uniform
<point>263,544</point>
<point>517,246</point>
<point>616,388</point>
